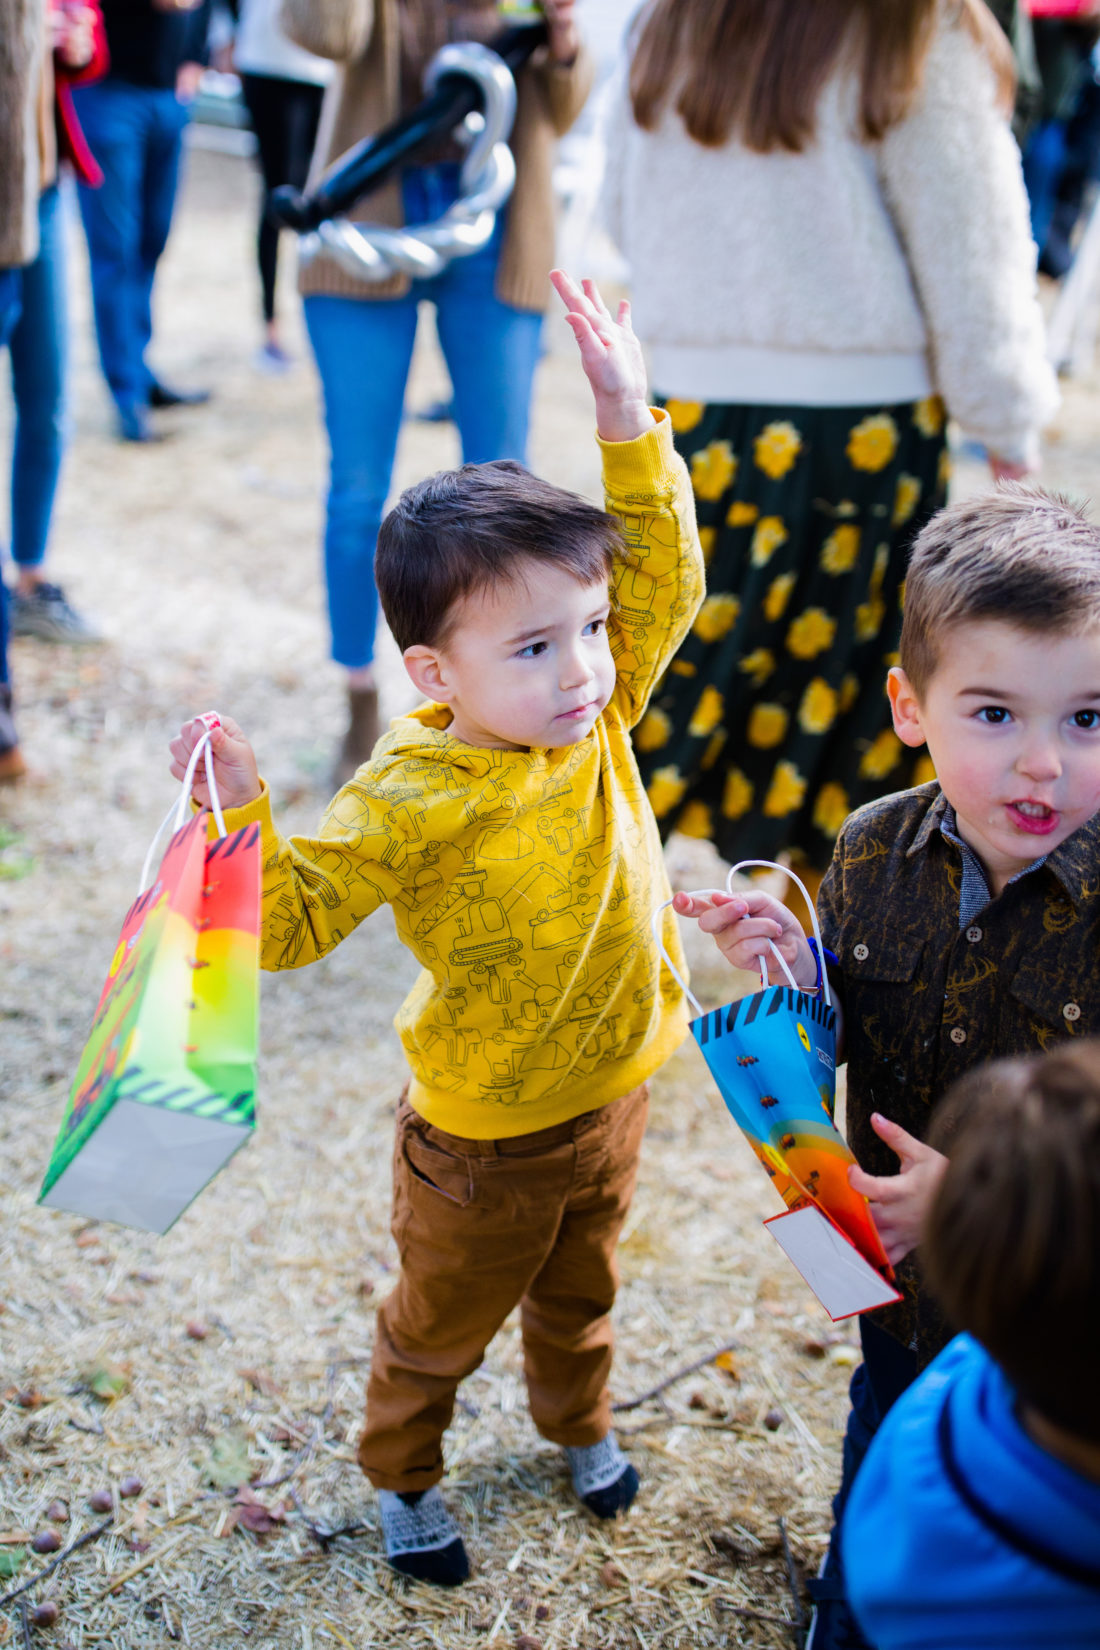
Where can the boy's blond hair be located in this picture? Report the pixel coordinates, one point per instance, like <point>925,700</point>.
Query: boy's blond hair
<point>1025,557</point>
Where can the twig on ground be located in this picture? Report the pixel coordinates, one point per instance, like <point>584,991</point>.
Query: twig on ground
<point>754,1615</point>
<point>678,1375</point>
<point>323,1537</point>
<point>25,1624</point>
<point>81,1541</point>
<point>799,1624</point>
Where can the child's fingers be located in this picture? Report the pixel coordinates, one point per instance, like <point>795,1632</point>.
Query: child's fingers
<point>595,298</point>
<point>904,1145</point>
<point>877,1188</point>
<point>624,315</point>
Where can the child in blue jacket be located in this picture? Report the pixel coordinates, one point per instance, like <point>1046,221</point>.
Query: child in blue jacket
<point>974,1522</point>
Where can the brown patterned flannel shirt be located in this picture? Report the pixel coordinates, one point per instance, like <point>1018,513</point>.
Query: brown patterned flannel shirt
<point>926,1000</point>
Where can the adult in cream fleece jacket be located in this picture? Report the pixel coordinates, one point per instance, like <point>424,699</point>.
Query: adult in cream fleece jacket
<point>850,273</point>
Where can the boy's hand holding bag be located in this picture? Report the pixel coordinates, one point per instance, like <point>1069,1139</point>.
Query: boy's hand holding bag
<point>165,1090</point>
<point>773,1057</point>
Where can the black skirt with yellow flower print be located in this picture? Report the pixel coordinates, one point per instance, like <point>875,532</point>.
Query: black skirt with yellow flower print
<point>772,723</point>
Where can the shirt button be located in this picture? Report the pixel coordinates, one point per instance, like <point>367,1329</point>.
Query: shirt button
<point>860,953</point>
<point>974,934</point>
<point>1071,1012</point>
<point>958,1035</point>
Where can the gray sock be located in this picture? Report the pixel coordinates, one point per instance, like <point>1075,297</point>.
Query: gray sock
<point>424,1527</point>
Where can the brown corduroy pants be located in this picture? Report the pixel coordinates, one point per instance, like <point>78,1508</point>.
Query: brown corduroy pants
<point>481,1226</point>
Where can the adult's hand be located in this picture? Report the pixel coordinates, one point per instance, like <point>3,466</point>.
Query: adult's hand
<point>73,34</point>
<point>561,19</point>
<point>1003,469</point>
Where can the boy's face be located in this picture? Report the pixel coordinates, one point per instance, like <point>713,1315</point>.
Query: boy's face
<point>1012,722</point>
<point>525,664</point>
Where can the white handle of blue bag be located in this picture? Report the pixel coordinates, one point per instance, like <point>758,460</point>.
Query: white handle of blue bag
<point>177,813</point>
<point>762,959</point>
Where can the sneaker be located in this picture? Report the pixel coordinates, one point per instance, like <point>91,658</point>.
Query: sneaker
<point>46,614</point>
<point>272,359</point>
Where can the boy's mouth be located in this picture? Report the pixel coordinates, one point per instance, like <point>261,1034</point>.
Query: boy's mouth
<point>1036,818</point>
<point>576,713</point>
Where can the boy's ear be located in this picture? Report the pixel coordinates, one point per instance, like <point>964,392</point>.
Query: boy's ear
<point>426,668</point>
<point>904,707</point>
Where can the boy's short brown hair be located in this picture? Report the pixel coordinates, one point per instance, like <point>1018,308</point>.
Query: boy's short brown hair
<point>1016,554</point>
<point>1012,1242</point>
<point>466,530</point>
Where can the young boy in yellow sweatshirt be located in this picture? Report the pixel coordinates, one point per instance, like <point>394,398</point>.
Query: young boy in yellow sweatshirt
<point>505,822</point>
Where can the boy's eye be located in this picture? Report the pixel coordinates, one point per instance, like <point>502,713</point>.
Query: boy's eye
<point>532,650</point>
<point>994,715</point>
<point>1086,718</point>
<point>593,627</point>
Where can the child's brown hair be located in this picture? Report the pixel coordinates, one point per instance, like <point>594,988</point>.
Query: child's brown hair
<point>467,530</point>
<point>1012,1241</point>
<point>1025,557</point>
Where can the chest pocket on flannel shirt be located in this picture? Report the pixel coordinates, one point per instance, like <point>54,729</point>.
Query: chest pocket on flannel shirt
<point>1056,997</point>
<point>878,957</point>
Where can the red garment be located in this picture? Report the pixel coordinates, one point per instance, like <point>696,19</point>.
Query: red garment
<point>72,145</point>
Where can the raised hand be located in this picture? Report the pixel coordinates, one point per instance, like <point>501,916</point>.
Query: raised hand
<point>235,772</point>
<point>611,357</point>
<point>900,1202</point>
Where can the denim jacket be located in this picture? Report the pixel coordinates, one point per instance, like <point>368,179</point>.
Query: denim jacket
<point>925,1000</point>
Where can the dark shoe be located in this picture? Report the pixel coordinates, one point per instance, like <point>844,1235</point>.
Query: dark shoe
<point>163,395</point>
<point>12,765</point>
<point>362,735</point>
<point>134,425</point>
<point>46,614</point>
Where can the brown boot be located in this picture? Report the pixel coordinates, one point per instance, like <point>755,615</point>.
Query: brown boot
<point>362,734</point>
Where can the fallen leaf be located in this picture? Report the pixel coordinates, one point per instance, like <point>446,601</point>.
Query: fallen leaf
<point>611,1575</point>
<point>262,1382</point>
<point>11,1562</point>
<point>727,1363</point>
<point>254,1515</point>
<point>228,1465</point>
<point>107,1380</point>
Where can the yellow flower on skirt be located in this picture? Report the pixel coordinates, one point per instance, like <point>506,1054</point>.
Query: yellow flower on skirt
<point>707,713</point>
<point>776,448</point>
<point>873,443</point>
<point>684,415</point>
<point>758,664</point>
<point>831,809</point>
<point>737,795</point>
<point>652,731</point>
<point>682,667</point>
<point>717,616</point>
<point>741,514</point>
<point>811,633</point>
<point>840,552</point>
<point>770,534</point>
<point>906,499</point>
<point>696,820</point>
<point>779,594</point>
<point>928,416</point>
<point>786,791</point>
<point>707,537</point>
<point>712,470</point>
<point>881,757</point>
<point>713,750</point>
<point>817,712</point>
<point>767,725</point>
<point>665,789</point>
<point>849,693</point>
<point>869,617</point>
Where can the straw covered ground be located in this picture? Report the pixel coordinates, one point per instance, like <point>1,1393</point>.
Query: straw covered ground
<point>205,1388</point>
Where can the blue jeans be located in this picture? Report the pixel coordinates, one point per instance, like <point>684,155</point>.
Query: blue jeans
<point>136,135</point>
<point>39,352</point>
<point>363,348</point>
<point>11,290</point>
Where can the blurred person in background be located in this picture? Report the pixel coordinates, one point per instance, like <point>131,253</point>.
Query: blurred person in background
<point>489,306</point>
<point>283,87</point>
<point>853,196</point>
<point>39,340</point>
<point>23,31</point>
<point>1063,150</point>
<point>134,121</point>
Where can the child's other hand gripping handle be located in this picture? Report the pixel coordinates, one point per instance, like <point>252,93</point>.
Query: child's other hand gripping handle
<point>235,773</point>
<point>741,926</point>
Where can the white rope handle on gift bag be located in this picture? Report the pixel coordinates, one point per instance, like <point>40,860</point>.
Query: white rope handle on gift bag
<point>770,865</point>
<point>762,958</point>
<point>177,813</point>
